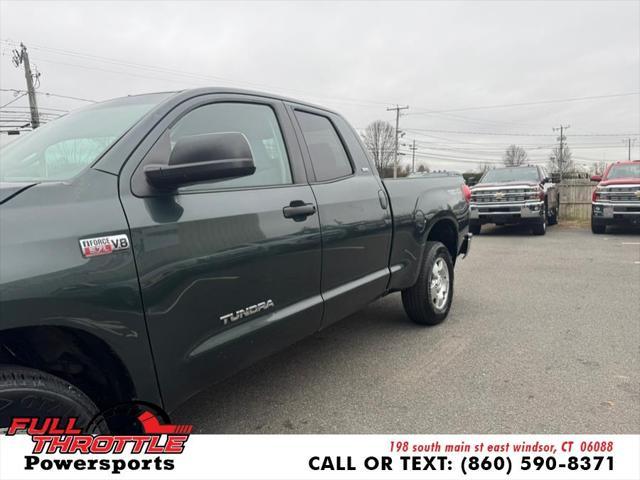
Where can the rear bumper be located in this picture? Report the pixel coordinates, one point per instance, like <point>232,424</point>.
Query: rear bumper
<point>507,212</point>
<point>606,213</point>
<point>465,248</point>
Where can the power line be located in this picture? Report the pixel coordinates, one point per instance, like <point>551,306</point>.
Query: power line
<point>519,134</point>
<point>14,100</point>
<point>179,73</point>
<point>67,97</point>
<point>361,102</point>
<point>40,109</point>
<point>467,142</point>
<point>524,104</point>
<point>442,113</point>
<point>368,102</point>
<point>48,94</point>
<point>456,159</point>
<point>495,147</point>
<point>474,120</point>
<point>23,112</point>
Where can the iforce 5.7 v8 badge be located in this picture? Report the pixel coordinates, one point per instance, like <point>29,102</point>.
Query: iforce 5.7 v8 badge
<point>93,247</point>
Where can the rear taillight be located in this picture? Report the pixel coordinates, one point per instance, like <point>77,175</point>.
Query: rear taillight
<point>541,194</point>
<point>466,191</point>
<point>595,195</point>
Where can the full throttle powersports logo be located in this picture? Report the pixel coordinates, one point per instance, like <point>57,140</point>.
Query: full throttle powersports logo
<point>52,436</point>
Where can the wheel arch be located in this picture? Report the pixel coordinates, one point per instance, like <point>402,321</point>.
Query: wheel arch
<point>443,227</point>
<point>445,230</point>
<point>74,355</point>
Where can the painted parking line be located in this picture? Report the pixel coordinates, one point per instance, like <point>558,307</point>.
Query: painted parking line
<point>630,243</point>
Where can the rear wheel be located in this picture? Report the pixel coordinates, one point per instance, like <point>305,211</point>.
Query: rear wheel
<point>429,300</point>
<point>26,392</point>
<point>475,228</point>
<point>553,216</point>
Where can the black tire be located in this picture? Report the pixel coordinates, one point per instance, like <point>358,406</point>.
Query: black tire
<point>25,392</point>
<point>417,300</point>
<point>598,229</point>
<point>474,228</point>
<point>553,218</point>
<point>540,228</point>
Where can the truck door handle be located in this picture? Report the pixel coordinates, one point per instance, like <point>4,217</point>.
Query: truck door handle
<point>383,199</point>
<point>298,210</point>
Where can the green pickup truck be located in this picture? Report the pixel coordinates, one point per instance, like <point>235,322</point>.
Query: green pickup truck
<point>155,244</point>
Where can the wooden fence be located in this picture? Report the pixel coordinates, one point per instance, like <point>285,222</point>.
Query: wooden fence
<point>575,199</point>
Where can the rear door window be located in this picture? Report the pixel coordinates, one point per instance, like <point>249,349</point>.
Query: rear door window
<point>328,155</point>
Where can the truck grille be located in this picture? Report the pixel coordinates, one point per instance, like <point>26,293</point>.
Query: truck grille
<point>504,195</point>
<point>625,194</point>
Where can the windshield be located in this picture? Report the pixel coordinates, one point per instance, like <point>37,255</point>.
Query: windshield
<point>628,170</point>
<point>61,149</point>
<point>515,174</point>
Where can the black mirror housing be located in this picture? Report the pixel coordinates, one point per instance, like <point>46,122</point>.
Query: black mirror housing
<point>172,176</point>
<point>203,158</point>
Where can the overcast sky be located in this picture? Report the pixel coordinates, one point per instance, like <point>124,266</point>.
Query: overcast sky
<point>359,58</point>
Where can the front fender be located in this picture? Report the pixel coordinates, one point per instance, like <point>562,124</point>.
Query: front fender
<point>45,280</point>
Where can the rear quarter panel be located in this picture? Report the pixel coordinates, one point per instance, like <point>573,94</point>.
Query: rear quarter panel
<point>417,205</point>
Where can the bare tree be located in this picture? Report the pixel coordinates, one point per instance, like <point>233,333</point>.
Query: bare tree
<point>423,168</point>
<point>514,156</point>
<point>404,170</point>
<point>598,167</point>
<point>560,161</point>
<point>380,139</point>
<point>485,167</point>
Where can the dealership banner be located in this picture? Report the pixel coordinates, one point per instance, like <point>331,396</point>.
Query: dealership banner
<point>179,455</point>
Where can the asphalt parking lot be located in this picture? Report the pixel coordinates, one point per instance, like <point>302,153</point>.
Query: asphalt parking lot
<point>543,337</point>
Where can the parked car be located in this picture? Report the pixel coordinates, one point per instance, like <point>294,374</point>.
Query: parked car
<point>154,244</point>
<point>511,195</point>
<point>616,199</point>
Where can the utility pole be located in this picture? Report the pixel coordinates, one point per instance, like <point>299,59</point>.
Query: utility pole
<point>629,142</point>
<point>22,57</point>
<point>397,108</point>
<point>413,149</point>
<point>562,138</point>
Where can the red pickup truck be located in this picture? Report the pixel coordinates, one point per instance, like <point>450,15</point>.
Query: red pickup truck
<point>616,199</point>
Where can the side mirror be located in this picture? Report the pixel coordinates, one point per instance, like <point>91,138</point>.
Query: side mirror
<point>596,178</point>
<point>545,180</point>
<point>203,158</point>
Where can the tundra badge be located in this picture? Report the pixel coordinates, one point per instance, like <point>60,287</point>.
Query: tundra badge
<point>246,312</point>
<point>93,247</point>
